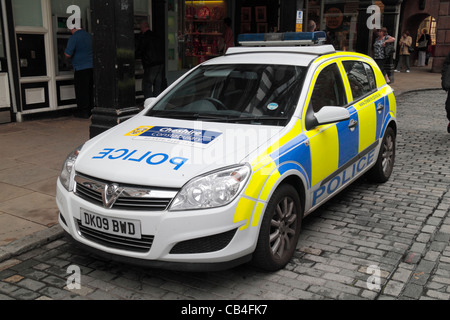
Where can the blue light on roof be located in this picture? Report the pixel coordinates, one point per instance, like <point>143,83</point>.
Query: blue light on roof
<point>292,38</point>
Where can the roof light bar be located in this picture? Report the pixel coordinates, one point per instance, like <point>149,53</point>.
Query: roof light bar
<point>282,39</point>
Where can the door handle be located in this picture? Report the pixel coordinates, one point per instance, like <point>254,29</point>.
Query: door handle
<point>380,107</point>
<point>352,125</point>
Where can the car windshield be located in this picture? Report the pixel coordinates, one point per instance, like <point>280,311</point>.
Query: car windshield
<point>243,93</point>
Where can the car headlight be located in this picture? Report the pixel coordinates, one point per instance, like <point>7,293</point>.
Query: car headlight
<point>216,189</point>
<point>67,172</point>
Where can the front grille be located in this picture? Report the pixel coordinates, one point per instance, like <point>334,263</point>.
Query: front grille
<point>204,245</point>
<point>117,242</point>
<point>130,198</point>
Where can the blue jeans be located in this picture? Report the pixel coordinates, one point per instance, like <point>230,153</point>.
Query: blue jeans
<point>152,81</point>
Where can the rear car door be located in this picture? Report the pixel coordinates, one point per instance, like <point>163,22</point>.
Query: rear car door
<point>367,101</point>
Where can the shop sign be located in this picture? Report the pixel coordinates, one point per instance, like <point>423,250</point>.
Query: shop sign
<point>299,22</point>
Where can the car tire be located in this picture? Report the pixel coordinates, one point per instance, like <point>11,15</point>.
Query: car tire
<point>382,169</point>
<point>280,230</point>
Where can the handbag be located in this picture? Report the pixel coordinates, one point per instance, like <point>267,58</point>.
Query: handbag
<point>389,50</point>
<point>410,49</point>
<point>423,44</point>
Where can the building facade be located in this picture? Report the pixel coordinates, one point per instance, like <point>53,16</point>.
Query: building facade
<point>36,78</point>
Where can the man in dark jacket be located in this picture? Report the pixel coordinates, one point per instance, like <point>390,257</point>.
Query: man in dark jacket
<point>79,50</point>
<point>151,51</point>
<point>446,86</point>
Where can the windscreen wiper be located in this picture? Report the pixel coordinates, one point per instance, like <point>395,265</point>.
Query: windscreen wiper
<point>213,117</point>
<point>171,114</point>
<point>258,118</point>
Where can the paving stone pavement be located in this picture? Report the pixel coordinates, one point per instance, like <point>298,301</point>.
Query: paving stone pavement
<point>371,242</point>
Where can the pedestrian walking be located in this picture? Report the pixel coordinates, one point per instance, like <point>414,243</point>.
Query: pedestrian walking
<point>151,51</point>
<point>405,44</point>
<point>380,54</point>
<point>446,86</point>
<point>79,51</point>
<point>424,41</point>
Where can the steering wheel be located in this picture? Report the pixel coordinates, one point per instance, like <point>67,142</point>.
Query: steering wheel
<point>217,103</point>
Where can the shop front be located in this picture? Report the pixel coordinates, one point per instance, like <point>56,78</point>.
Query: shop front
<point>38,38</point>
<point>339,19</point>
<point>42,78</point>
<point>195,32</point>
<point>196,28</point>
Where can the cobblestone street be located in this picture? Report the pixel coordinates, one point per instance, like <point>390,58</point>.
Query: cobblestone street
<point>389,241</point>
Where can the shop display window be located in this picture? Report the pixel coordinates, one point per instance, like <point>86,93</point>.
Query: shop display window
<point>203,31</point>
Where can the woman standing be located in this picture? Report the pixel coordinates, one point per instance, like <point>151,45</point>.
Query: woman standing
<point>424,41</point>
<point>404,43</point>
<point>379,54</point>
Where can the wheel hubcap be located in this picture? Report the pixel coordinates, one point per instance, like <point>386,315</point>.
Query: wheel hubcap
<point>283,227</point>
<point>388,154</point>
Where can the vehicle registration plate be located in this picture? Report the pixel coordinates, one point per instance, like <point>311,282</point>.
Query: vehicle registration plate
<point>114,226</point>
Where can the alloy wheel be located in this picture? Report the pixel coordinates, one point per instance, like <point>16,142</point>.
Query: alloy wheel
<point>283,227</point>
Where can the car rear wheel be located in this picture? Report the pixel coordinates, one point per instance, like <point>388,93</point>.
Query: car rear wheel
<point>280,230</point>
<point>382,170</point>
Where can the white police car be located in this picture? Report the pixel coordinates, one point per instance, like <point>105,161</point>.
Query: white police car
<point>221,168</point>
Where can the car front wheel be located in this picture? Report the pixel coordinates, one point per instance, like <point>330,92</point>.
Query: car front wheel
<point>280,230</point>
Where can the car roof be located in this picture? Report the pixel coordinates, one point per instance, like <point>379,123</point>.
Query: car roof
<point>284,55</point>
<point>316,50</point>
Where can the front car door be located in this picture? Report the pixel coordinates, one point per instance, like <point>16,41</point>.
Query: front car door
<point>333,145</point>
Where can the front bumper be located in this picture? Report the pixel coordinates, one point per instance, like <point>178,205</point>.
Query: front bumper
<point>186,240</point>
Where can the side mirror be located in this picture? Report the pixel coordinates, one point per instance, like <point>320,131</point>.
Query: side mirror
<point>326,115</point>
<point>332,114</point>
<point>148,102</point>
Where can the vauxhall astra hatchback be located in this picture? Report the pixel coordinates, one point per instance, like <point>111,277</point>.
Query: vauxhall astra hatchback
<point>221,168</point>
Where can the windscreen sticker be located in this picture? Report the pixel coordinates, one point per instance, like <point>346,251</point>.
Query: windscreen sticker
<point>272,106</point>
<point>174,135</point>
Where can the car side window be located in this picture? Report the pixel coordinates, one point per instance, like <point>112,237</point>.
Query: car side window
<point>328,89</point>
<point>361,78</point>
<point>371,76</point>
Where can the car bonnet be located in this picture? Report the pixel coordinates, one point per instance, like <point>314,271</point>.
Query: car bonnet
<point>166,152</point>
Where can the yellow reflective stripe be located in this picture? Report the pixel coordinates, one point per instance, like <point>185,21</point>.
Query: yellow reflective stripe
<point>324,141</point>
<point>264,166</point>
<point>264,158</point>
<point>268,187</point>
<point>265,176</point>
<point>367,118</point>
<point>392,104</point>
<point>348,89</point>
<point>258,180</point>
<point>262,161</point>
<point>244,211</point>
<point>257,214</point>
